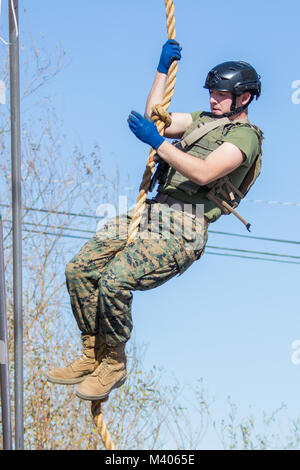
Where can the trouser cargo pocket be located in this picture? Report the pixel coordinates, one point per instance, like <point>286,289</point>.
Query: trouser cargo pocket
<point>184,259</point>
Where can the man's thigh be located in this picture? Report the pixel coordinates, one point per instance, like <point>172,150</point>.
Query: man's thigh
<point>100,249</point>
<point>146,264</point>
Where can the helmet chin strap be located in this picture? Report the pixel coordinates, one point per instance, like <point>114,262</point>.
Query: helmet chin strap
<point>233,110</point>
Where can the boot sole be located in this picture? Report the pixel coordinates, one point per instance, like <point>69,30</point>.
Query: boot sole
<point>101,397</point>
<point>66,381</point>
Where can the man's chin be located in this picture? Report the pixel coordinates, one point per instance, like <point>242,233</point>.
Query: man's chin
<point>216,112</point>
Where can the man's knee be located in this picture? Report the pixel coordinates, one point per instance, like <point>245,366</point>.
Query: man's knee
<point>115,301</point>
<point>114,284</point>
<point>107,283</point>
<point>71,271</point>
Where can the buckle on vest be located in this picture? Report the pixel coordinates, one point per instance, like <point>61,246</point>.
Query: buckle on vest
<point>227,197</point>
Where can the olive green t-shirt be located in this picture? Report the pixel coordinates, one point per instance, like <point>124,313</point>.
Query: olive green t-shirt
<point>244,138</point>
<point>247,141</point>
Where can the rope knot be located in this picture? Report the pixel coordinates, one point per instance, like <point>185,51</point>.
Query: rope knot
<point>160,113</point>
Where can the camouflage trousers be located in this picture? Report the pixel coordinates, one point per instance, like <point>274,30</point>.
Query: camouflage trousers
<point>102,276</point>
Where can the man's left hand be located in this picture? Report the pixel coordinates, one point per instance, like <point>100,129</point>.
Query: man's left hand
<point>145,130</point>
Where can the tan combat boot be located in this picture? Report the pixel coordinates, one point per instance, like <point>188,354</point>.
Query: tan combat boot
<point>110,374</point>
<point>77,371</point>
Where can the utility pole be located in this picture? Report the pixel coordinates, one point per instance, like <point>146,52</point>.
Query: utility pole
<point>4,367</point>
<point>13,8</point>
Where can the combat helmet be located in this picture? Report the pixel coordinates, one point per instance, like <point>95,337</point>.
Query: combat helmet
<point>236,77</point>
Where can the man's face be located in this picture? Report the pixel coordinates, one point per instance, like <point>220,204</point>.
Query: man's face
<point>220,102</point>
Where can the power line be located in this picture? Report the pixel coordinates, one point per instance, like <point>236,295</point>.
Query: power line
<point>208,252</point>
<point>96,185</point>
<point>261,201</point>
<point>132,188</point>
<point>93,232</point>
<point>251,257</point>
<point>59,227</point>
<point>252,251</point>
<point>253,237</point>
<point>56,234</point>
<point>49,211</point>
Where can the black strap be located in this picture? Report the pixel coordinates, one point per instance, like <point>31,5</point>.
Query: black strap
<point>233,111</point>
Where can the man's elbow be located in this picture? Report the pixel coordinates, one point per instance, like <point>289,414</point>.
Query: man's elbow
<point>202,179</point>
<point>205,174</point>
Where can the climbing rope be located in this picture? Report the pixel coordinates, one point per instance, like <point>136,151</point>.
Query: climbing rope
<point>160,117</point>
<point>162,120</point>
<point>96,409</point>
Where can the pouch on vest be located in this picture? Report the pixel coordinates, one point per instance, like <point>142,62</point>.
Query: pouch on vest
<point>162,167</point>
<point>227,196</point>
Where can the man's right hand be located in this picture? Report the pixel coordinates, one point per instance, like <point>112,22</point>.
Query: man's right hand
<point>171,51</point>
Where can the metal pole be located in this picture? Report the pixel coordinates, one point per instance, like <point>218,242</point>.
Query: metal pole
<point>17,218</point>
<point>4,369</point>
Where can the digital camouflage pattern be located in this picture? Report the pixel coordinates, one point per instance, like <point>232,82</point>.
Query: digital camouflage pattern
<point>102,276</point>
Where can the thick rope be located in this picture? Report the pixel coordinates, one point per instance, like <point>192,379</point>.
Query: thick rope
<point>160,124</point>
<point>160,114</point>
<point>162,120</point>
<point>96,408</point>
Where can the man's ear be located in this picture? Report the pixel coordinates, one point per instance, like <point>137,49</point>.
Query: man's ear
<point>246,97</point>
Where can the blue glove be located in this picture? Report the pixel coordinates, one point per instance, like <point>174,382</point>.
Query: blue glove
<point>170,52</point>
<point>145,130</point>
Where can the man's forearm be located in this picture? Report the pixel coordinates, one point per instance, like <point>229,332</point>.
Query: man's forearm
<point>218,163</point>
<point>157,92</point>
<point>189,166</point>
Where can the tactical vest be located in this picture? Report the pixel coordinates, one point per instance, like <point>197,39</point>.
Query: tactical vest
<point>201,138</point>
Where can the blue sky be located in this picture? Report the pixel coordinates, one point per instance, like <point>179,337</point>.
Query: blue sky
<point>230,321</point>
